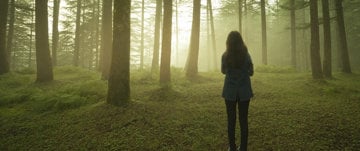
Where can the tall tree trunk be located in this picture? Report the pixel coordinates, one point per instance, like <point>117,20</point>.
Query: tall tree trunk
<point>30,41</point>
<point>315,40</point>
<point>119,79</point>
<point>192,61</point>
<point>208,37</point>
<point>177,31</point>
<point>106,39</point>
<point>43,60</point>
<point>142,36</point>
<point>264,36</point>
<point>97,35</point>
<point>10,31</point>
<point>4,64</point>
<point>209,3</point>
<point>77,34</point>
<point>240,2</point>
<point>155,60</point>
<point>55,33</point>
<point>327,39</point>
<point>343,42</point>
<point>166,44</point>
<point>245,22</point>
<point>293,33</point>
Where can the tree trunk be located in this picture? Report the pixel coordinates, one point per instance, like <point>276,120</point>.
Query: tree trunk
<point>97,35</point>
<point>106,39</point>
<point>212,33</point>
<point>327,39</point>
<point>166,44</point>
<point>10,31</point>
<point>315,48</point>
<point>263,29</point>
<point>30,41</point>
<point>177,32</point>
<point>192,61</point>
<point>142,37</point>
<point>293,33</point>
<point>55,34</point>
<point>77,34</point>
<point>240,15</point>
<point>342,34</point>
<point>155,60</point>
<point>4,64</point>
<point>119,79</point>
<point>43,60</point>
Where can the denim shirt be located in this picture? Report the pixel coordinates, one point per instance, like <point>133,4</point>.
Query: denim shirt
<point>237,83</point>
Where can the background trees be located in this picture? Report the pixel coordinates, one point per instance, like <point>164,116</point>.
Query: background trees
<point>287,39</point>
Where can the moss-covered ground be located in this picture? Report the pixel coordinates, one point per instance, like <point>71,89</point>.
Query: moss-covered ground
<point>290,111</point>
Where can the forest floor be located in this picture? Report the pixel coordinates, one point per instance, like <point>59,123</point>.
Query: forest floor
<point>290,111</point>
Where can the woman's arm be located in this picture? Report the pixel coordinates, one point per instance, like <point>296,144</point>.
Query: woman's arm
<point>251,66</point>
<point>223,66</point>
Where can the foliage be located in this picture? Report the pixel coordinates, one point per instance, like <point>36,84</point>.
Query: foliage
<point>290,111</point>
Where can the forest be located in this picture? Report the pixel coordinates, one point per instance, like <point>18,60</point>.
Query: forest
<point>146,74</point>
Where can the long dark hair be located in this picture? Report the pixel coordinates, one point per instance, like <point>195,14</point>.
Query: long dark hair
<point>236,50</point>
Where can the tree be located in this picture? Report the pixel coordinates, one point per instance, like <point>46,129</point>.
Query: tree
<point>155,60</point>
<point>106,38</point>
<point>192,61</point>
<point>293,33</point>
<point>327,39</point>
<point>4,64</point>
<point>119,79</point>
<point>77,34</point>
<point>43,60</point>
<point>209,3</point>
<point>263,29</point>
<point>315,48</point>
<point>342,34</point>
<point>240,15</point>
<point>142,36</point>
<point>55,33</point>
<point>166,43</point>
<point>10,30</point>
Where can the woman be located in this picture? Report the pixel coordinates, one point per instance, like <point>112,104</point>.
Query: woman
<point>237,67</point>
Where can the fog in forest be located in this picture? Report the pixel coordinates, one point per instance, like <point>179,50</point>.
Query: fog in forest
<point>155,75</point>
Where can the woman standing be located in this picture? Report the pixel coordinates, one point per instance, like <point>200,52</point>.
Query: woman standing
<point>237,67</point>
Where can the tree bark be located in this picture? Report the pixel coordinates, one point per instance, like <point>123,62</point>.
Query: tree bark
<point>327,39</point>
<point>106,39</point>
<point>55,33</point>
<point>192,61</point>
<point>342,34</point>
<point>4,64</point>
<point>166,44</point>
<point>264,36</point>
<point>77,34</point>
<point>315,48</point>
<point>293,33</point>
<point>43,60</point>
<point>155,60</point>
<point>119,80</point>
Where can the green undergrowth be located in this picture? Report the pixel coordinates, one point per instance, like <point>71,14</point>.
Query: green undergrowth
<point>290,111</point>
